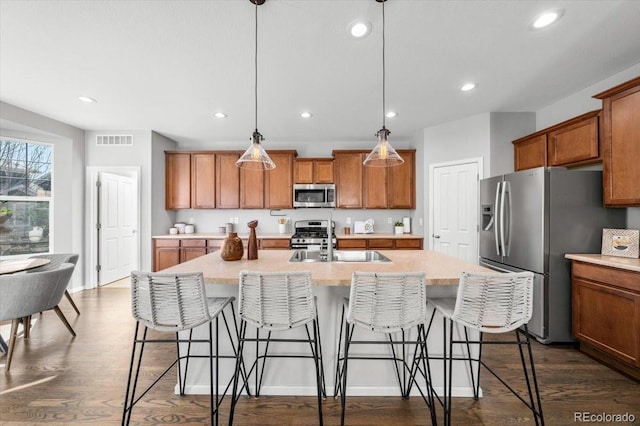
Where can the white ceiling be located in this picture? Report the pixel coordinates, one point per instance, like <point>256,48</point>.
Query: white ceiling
<point>168,65</point>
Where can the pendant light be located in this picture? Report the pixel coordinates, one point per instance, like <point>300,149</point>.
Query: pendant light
<point>383,155</point>
<point>255,157</point>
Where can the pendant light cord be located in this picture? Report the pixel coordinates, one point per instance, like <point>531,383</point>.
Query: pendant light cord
<point>383,72</point>
<point>256,68</point>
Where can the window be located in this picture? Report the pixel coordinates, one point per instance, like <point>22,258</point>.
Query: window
<point>25,197</point>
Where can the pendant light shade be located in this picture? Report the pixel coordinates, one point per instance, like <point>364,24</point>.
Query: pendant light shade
<point>255,157</point>
<point>383,155</point>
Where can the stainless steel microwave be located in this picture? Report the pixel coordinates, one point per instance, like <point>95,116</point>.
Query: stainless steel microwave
<point>314,195</point>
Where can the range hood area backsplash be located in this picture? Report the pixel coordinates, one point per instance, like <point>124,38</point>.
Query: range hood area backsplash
<point>207,221</point>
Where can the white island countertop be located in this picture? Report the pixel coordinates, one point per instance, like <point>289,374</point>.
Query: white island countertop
<point>439,268</point>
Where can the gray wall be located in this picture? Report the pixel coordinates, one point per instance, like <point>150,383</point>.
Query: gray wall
<point>506,127</point>
<point>68,176</point>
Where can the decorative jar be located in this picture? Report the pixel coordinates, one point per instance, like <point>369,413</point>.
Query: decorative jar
<point>232,248</point>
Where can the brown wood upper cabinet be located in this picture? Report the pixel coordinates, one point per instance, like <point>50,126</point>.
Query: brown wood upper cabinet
<point>271,189</point>
<point>227,181</point>
<point>358,186</point>
<point>571,143</point>
<point>203,181</point>
<point>177,181</point>
<point>313,170</point>
<point>620,138</point>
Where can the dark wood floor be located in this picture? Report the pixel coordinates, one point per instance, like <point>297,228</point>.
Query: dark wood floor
<point>60,380</point>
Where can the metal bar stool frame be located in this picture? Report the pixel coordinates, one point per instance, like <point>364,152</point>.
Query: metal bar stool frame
<point>369,307</point>
<point>277,301</point>
<point>210,310</point>
<point>477,295</point>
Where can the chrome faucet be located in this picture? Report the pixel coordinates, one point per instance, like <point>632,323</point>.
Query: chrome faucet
<point>330,238</point>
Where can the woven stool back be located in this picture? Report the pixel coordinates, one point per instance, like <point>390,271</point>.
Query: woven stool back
<point>494,302</point>
<point>276,300</point>
<point>169,302</point>
<point>387,302</point>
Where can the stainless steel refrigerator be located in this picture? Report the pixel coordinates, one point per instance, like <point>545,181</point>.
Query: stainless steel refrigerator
<point>530,220</point>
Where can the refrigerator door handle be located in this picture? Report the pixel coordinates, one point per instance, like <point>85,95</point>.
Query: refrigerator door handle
<point>501,221</point>
<point>506,241</point>
<point>495,215</point>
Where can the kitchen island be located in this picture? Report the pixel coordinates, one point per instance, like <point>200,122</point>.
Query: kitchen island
<point>332,281</point>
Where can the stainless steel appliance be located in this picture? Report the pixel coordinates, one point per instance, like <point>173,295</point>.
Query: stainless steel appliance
<point>529,221</point>
<point>312,235</point>
<point>314,195</point>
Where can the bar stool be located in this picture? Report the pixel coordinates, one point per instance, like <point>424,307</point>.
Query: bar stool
<point>386,303</point>
<point>277,301</point>
<point>488,303</point>
<point>173,303</point>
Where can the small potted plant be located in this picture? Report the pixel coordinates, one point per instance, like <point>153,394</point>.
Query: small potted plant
<point>5,212</point>
<point>399,228</point>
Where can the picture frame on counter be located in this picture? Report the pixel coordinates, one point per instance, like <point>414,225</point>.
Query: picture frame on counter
<point>620,242</point>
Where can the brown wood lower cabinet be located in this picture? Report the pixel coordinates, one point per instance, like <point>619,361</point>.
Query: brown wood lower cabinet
<point>606,315</point>
<point>275,244</point>
<point>380,243</point>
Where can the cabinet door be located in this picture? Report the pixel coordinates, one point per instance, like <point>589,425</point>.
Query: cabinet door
<point>166,253</point>
<point>402,182</point>
<point>621,143</point>
<point>408,244</point>
<point>530,152</point>
<point>576,143</point>
<point>203,181</point>
<point>607,318</point>
<point>278,185</point>
<point>381,243</point>
<point>348,170</point>
<point>275,244</point>
<point>251,189</point>
<point>227,181</point>
<point>352,244</point>
<point>177,181</point>
<point>375,187</point>
<point>323,171</point>
<point>304,171</point>
<point>190,249</point>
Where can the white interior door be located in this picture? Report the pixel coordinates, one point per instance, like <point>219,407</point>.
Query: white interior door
<point>454,209</point>
<point>117,215</point>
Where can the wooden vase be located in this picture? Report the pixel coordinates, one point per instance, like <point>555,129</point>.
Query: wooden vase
<point>232,248</point>
<point>252,247</point>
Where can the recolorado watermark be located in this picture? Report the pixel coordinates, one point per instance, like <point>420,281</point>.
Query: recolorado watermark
<point>589,417</point>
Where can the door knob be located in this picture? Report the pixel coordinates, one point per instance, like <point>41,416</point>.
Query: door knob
<point>436,236</point>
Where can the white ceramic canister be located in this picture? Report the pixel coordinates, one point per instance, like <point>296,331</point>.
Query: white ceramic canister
<point>180,227</point>
<point>189,229</point>
<point>173,231</point>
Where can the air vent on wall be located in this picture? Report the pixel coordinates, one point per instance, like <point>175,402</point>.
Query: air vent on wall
<point>114,140</point>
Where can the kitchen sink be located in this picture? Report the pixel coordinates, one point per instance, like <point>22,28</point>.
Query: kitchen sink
<point>339,256</point>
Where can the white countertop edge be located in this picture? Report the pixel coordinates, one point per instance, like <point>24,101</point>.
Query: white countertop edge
<point>628,263</point>
<point>219,236</point>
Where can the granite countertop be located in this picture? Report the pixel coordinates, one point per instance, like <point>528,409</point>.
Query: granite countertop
<point>219,236</point>
<point>439,268</point>
<point>627,263</point>
<point>376,235</point>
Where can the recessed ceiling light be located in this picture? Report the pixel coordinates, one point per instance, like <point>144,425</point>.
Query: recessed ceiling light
<point>87,99</point>
<point>468,86</point>
<point>546,19</point>
<point>391,114</point>
<point>220,115</point>
<point>359,28</point>
<point>306,114</point>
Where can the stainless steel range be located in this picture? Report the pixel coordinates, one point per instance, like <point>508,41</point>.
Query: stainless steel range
<point>312,235</point>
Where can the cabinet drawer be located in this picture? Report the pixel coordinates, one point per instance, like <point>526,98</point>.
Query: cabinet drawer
<point>214,243</point>
<point>612,276</point>
<point>275,243</point>
<point>409,244</point>
<point>381,243</point>
<point>174,242</point>
<point>352,244</point>
<point>193,243</point>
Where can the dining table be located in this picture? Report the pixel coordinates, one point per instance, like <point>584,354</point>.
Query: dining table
<point>12,266</point>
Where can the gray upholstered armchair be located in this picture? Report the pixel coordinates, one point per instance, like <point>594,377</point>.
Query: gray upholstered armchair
<point>57,260</point>
<point>24,294</point>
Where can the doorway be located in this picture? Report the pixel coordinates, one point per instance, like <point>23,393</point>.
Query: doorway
<point>114,205</point>
<point>453,201</point>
